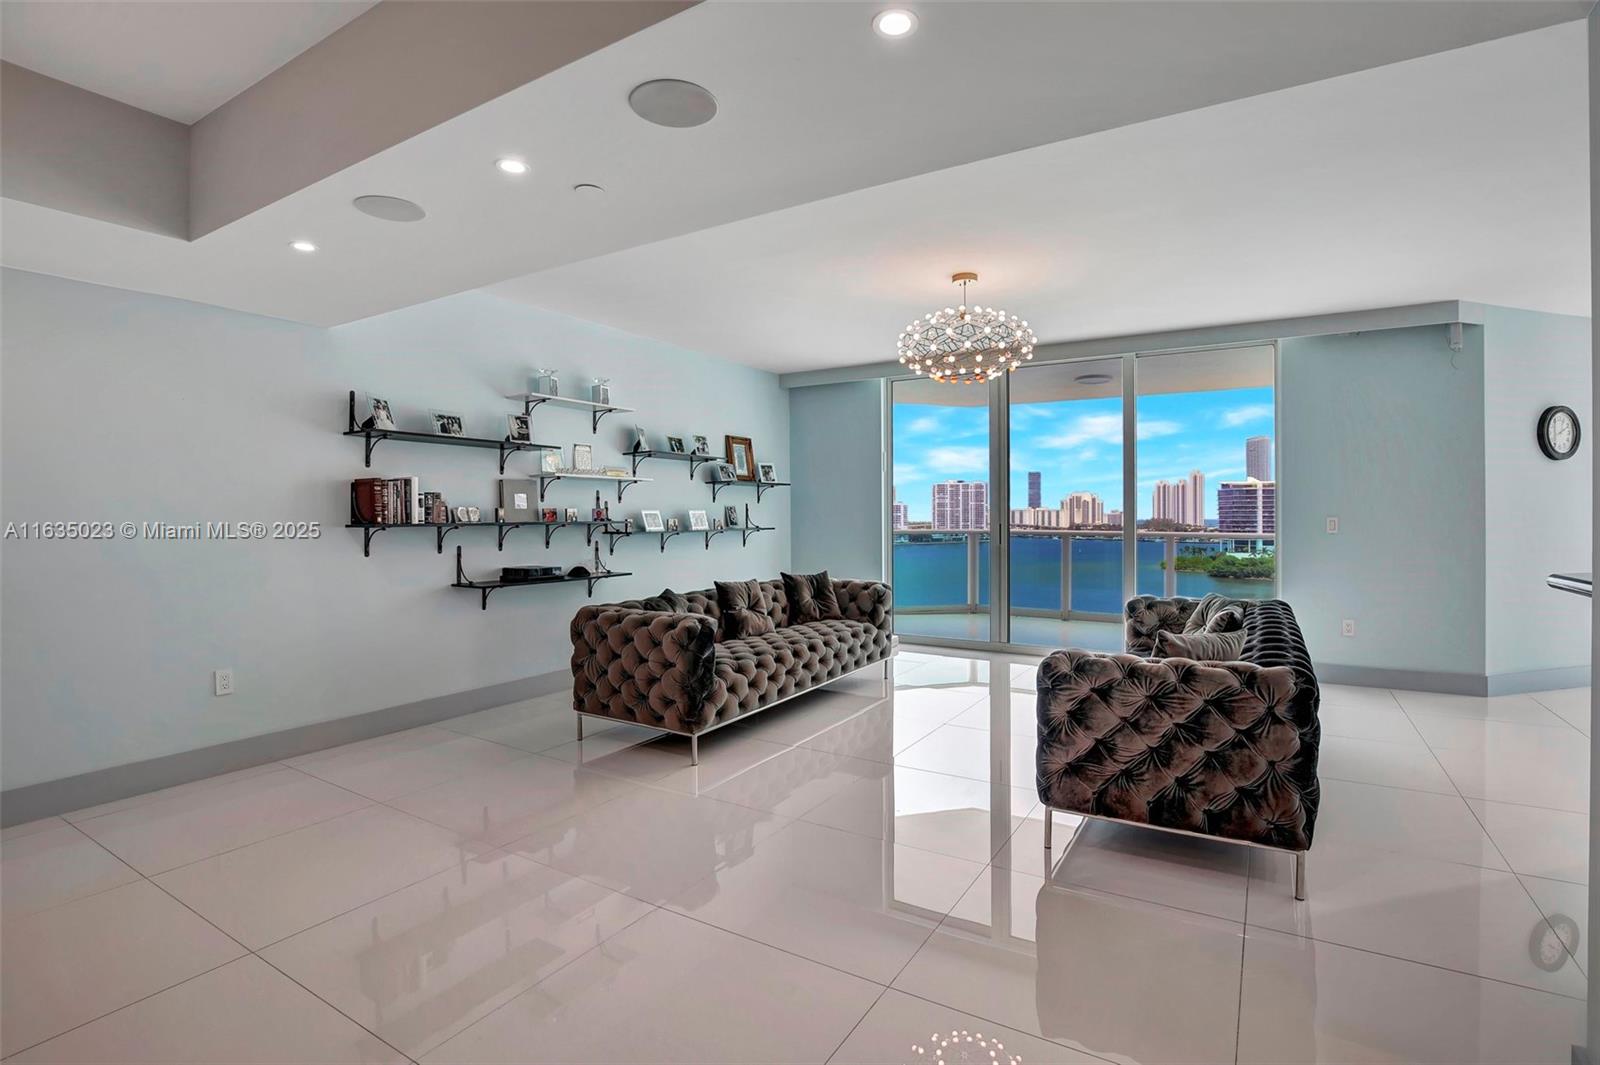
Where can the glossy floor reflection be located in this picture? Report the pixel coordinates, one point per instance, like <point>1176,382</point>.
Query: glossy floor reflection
<point>847,878</point>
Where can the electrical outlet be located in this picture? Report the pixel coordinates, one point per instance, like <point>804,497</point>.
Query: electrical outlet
<point>222,680</point>
<point>1347,627</point>
<point>1333,525</point>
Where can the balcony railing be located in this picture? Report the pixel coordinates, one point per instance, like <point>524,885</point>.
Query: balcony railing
<point>1062,573</point>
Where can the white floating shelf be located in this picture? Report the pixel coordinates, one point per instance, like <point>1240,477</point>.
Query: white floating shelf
<point>566,401</point>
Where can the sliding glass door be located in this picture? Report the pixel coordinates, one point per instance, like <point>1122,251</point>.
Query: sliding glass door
<point>1148,474</point>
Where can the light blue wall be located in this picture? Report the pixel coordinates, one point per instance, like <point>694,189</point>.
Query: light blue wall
<point>1538,514</point>
<point>1385,431</point>
<point>836,445</point>
<point>125,407</point>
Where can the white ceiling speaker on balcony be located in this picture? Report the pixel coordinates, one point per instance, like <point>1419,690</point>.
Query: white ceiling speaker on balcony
<point>389,208</point>
<point>966,345</point>
<point>673,103</point>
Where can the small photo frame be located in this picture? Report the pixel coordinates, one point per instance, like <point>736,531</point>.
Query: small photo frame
<point>702,446</point>
<point>767,473</point>
<point>448,423</point>
<point>599,514</point>
<point>583,457</point>
<point>550,462</point>
<point>697,521</point>
<point>675,445</point>
<point>722,472</point>
<point>674,524</point>
<point>652,521</point>
<point>517,498</point>
<point>474,514</point>
<point>641,442</point>
<point>517,429</point>
<point>550,514</point>
<point>742,455</point>
<point>378,414</point>
<point>730,514</point>
<point>718,525</point>
<point>461,514</point>
<point>572,513</point>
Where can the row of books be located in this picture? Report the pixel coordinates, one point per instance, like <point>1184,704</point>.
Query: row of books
<point>392,501</point>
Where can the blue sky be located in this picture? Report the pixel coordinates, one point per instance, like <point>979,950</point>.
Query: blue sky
<point>1077,445</point>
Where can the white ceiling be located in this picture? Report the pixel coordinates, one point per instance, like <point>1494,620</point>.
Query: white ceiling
<point>813,105</point>
<point>1462,175</point>
<point>178,58</point>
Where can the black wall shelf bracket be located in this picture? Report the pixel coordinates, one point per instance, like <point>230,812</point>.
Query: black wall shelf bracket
<point>761,487</point>
<point>750,530</point>
<point>372,437</point>
<point>713,532</point>
<point>695,459</point>
<point>485,588</point>
<point>623,483</point>
<point>596,411</point>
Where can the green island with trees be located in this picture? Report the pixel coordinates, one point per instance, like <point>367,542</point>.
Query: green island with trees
<point>1227,567</point>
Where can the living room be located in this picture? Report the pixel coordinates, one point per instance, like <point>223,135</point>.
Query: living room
<point>1230,640</point>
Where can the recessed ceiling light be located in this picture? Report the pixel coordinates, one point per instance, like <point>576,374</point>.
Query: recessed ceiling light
<point>303,245</point>
<point>509,165</point>
<point>674,103</point>
<point>1093,378</point>
<point>895,22</point>
<point>389,208</point>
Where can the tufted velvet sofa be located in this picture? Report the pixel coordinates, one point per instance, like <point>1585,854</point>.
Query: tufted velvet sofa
<point>669,671</point>
<point>1226,749</point>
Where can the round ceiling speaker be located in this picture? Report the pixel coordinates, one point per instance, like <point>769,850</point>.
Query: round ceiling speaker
<point>389,208</point>
<point>1093,379</point>
<point>674,103</point>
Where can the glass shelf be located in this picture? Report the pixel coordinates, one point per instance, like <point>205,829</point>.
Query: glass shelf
<point>547,479</point>
<point>530,400</point>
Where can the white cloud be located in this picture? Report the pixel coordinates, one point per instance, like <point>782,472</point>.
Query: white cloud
<point>953,460</point>
<point>1150,428</point>
<point>1251,412</point>
<point>928,423</point>
<point>1086,428</point>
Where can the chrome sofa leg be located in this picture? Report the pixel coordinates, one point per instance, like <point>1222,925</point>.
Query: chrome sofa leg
<point>694,750</point>
<point>580,726</point>
<point>1049,824</point>
<point>1300,876</point>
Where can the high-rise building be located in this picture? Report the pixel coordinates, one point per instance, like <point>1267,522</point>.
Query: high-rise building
<point>1034,488</point>
<point>901,515</point>
<point>1169,502</point>
<point>1258,458</point>
<point>1082,510</point>
<point>961,505</point>
<point>1036,518</point>
<point>1114,518</point>
<point>1195,504</point>
<point>1247,506</point>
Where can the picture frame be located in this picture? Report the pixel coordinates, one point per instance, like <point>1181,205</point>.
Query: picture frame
<point>718,525</point>
<point>518,431</point>
<point>652,521</point>
<point>742,457</point>
<point>572,513</point>
<point>702,446</point>
<point>767,473</point>
<point>474,514</point>
<point>674,524</point>
<point>549,515</point>
<point>698,522</point>
<point>448,423</point>
<point>583,457</point>
<point>518,498</point>
<point>600,514</point>
<point>550,462</point>
<point>461,514</point>
<point>730,515</point>
<point>722,472</point>
<point>675,445</point>
<point>641,442</point>
<point>379,416</point>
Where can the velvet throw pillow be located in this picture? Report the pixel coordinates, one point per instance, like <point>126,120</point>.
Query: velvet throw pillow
<point>1216,613</point>
<point>1201,646</point>
<point>811,597</point>
<point>743,605</point>
<point>669,601</point>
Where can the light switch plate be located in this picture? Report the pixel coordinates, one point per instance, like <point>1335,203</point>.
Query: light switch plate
<point>1333,525</point>
<point>1348,628</point>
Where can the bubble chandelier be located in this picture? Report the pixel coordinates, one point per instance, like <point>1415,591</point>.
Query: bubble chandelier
<point>966,345</point>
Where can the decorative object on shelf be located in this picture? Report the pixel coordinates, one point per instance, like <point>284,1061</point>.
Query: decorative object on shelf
<point>1559,433</point>
<point>448,423</point>
<point>577,574</point>
<point>378,416</point>
<point>517,429</point>
<point>544,383</point>
<point>512,574</point>
<point>600,514</point>
<point>549,514</point>
<point>474,514</point>
<point>600,391</point>
<point>730,514</point>
<point>723,472</point>
<point>582,458</point>
<point>702,446</point>
<point>719,525</point>
<point>640,441</point>
<point>550,462</point>
<point>572,514</point>
<point>674,524</point>
<point>614,471</point>
<point>768,474</point>
<point>742,455</point>
<point>966,345</point>
<point>697,520</point>
<point>675,445</point>
<point>435,511</point>
<point>516,499</point>
<point>461,514</point>
<point>652,521</point>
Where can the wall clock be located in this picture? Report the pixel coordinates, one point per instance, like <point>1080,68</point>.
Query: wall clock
<point>1559,433</point>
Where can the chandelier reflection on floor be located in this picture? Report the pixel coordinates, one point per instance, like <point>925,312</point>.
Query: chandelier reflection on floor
<point>966,345</point>
<point>961,1047</point>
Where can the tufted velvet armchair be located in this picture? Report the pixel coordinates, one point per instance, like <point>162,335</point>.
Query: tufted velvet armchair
<point>668,671</point>
<point>1224,749</point>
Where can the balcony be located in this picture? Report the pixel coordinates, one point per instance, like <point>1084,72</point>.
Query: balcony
<point>1066,585</point>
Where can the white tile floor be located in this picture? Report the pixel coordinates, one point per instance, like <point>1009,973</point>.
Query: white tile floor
<point>843,879</point>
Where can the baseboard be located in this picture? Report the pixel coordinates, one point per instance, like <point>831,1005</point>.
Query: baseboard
<point>1453,683</point>
<point>51,797</point>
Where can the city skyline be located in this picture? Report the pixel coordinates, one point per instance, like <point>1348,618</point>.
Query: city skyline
<point>1076,446</point>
